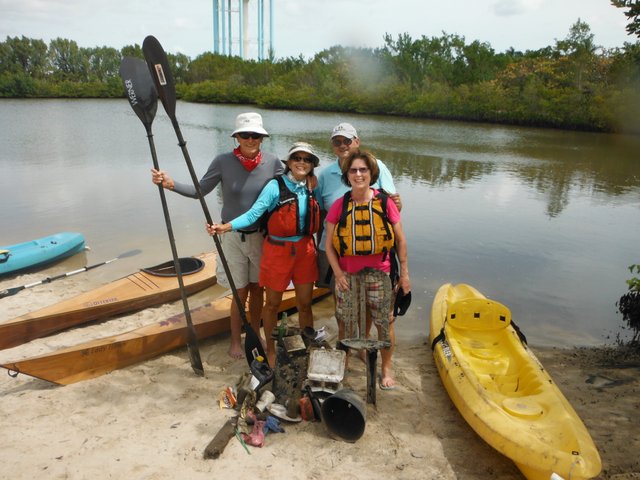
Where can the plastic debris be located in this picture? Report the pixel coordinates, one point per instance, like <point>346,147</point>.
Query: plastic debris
<point>227,398</point>
<point>272,424</point>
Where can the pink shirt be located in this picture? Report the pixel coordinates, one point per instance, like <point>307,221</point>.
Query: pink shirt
<point>355,263</point>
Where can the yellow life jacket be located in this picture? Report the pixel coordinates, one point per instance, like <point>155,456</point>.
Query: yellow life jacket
<point>364,229</point>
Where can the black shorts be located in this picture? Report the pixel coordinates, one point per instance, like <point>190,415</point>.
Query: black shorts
<point>325,274</point>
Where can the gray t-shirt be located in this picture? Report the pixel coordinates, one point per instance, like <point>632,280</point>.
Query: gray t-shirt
<point>240,188</point>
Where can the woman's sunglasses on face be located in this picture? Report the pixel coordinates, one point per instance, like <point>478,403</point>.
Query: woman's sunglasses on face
<point>361,170</point>
<point>296,158</point>
<point>248,135</point>
<point>336,142</point>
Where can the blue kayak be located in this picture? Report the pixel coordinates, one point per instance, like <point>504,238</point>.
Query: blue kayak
<point>39,252</point>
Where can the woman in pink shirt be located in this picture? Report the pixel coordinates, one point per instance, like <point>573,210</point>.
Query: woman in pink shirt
<point>359,238</point>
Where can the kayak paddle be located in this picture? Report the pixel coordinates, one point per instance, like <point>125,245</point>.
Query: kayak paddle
<point>12,291</point>
<point>143,99</point>
<point>163,78</point>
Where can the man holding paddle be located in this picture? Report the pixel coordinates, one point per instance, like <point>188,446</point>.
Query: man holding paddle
<point>243,173</point>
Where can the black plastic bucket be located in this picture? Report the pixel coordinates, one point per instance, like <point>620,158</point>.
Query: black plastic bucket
<point>344,414</point>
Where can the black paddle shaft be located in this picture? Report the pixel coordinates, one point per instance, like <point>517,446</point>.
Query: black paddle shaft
<point>12,291</point>
<point>142,96</point>
<point>163,78</point>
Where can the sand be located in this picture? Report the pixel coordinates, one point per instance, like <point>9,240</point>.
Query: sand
<point>153,420</point>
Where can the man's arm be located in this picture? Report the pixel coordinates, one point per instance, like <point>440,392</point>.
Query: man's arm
<point>385,181</point>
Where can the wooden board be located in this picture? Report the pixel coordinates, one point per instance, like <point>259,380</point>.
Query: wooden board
<point>133,292</point>
<point>97,357</point>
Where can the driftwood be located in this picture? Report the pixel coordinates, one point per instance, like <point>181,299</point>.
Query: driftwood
<point>220,441</point>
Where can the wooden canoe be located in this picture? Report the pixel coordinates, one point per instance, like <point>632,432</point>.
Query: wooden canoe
<point>145,288</point>
<point>42,251</point>
<point>503,391</point>
<point>97,357</point>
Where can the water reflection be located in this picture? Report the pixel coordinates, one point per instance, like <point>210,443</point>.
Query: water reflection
<point>588,165</point>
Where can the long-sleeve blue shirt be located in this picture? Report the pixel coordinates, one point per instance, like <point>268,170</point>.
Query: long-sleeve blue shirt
<point>268,200</point>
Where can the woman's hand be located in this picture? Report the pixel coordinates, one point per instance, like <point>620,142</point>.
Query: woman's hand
<point>160,177</point>
<point>405,283</point>
<point>342,283</point>
<point>218,228</point>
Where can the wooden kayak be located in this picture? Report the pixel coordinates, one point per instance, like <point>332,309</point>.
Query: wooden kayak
<point>145,288</point>
<point>97,357</point>
<point>41,251</point>
<point>503,391</point>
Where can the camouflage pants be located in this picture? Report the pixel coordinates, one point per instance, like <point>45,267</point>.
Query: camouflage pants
<point>369,289</point>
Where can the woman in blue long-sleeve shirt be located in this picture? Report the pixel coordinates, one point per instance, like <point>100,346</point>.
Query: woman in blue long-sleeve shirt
<point>289,250</point>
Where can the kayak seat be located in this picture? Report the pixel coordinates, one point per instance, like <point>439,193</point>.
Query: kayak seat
<point>188,265</point>
<point>478,314</point>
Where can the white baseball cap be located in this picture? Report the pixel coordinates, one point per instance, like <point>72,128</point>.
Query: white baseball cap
<point>249,122</point>
<point>344,130</point>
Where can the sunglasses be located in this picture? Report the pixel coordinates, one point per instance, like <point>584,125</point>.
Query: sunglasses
<point>361,170</point>
<point>301,159</point>
<point>336,142</point>
<point>248,135</point>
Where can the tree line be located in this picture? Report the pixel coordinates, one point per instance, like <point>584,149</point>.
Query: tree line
<point>573,84</point>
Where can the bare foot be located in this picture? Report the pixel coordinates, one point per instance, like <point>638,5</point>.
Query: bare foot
<point>235,352</point>
<point>387,383</point>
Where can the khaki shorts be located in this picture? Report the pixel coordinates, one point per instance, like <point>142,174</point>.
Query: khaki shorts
<point>243,258</point>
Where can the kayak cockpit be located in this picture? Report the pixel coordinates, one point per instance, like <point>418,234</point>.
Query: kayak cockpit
<point>188,265</point>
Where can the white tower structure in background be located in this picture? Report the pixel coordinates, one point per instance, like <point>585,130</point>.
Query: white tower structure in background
<point>233,23</point>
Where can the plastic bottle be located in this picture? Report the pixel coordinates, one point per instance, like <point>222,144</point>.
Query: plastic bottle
<point>282,327</point>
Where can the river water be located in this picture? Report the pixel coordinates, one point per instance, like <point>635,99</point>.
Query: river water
<point>544,221</point>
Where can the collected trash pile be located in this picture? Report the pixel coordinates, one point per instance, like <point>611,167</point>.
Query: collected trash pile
<point>306,384</point>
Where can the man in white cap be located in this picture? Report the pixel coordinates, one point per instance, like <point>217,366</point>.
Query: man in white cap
<point>243,173</point>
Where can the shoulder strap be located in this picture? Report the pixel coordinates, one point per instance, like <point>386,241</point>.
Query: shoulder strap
<point>384,198</point>
<point>394,274</point>
<point>345,209</point>
<point>342,223</point>
<point>282,187</point>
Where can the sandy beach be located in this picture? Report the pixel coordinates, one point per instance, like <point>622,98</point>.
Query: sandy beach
<point>153,420</point>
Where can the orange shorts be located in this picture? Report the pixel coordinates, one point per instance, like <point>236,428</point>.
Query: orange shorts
<point>283,262</point>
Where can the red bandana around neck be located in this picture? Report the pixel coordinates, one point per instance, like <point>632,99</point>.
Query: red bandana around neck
<point>248,163</point>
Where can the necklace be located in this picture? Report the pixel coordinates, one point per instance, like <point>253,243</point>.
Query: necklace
<point>299,183</point>
<point>363,197</point>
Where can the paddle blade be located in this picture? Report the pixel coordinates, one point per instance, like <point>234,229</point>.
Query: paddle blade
<point>11,291</point>
<point>158,65</point>
<point>139,88</point>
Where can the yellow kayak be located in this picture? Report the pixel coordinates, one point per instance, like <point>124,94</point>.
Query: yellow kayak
<point>503,391</point>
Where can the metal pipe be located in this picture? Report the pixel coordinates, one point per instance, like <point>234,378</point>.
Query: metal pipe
<point>260,30</point>
<point>271,10</point>
<point>244,28</point>
<point>216,26</point>
<point>229,27</point>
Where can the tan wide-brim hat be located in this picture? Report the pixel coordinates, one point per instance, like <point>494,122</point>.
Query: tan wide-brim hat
<point>302,147</point>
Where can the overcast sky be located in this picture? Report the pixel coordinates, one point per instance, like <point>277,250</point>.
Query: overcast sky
<point>306,27</point>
